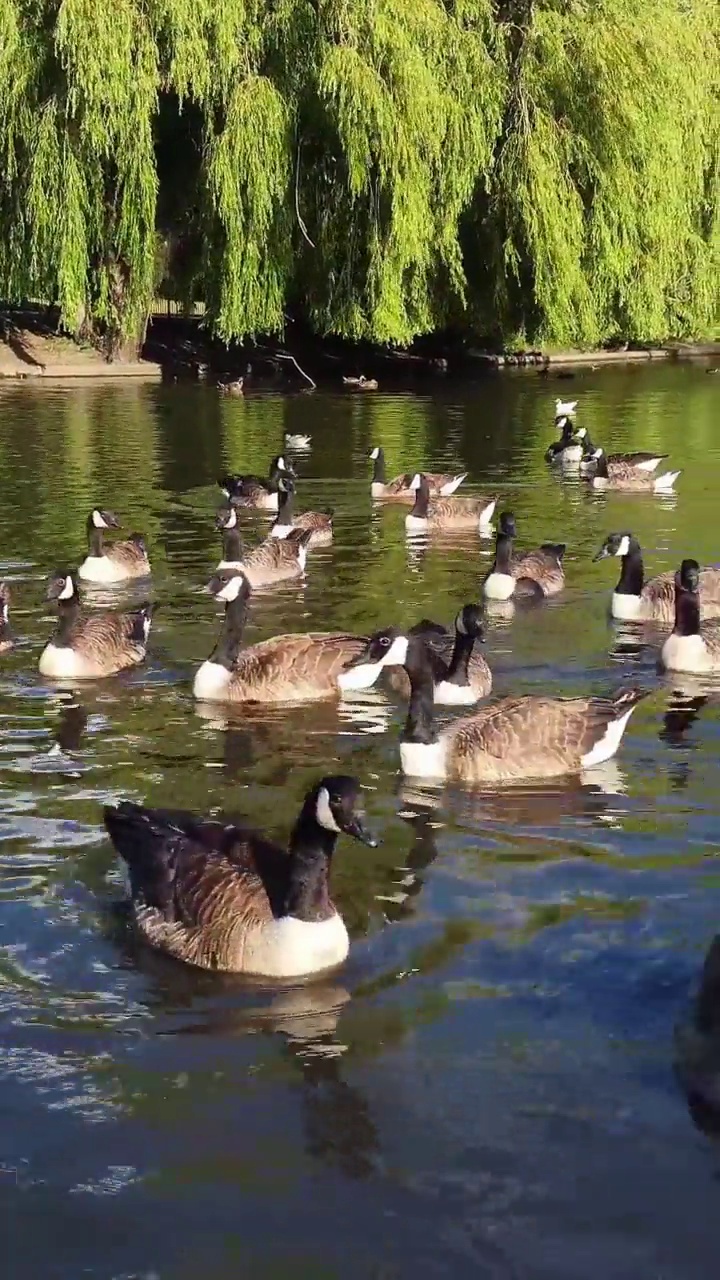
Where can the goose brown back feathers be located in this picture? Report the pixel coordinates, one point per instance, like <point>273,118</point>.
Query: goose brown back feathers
<point>292,667</point>
<point>531,736</point>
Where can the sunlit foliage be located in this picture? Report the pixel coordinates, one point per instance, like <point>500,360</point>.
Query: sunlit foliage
<point>542,168</point>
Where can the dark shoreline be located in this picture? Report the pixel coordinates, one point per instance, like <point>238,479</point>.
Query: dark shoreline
<point>179,349</point>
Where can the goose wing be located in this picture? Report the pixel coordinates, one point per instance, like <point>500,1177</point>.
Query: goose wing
<point>533,736</point>
<point>195,883</point>
<point>637,459</point>
<point>315,521</point>
<point>275,553</point>
<point>658,597</point>
<point>100,635</point>
<point>285,667</point>
<point>131,552</point>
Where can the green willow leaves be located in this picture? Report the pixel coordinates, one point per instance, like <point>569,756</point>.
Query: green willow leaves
<point>541,169</point>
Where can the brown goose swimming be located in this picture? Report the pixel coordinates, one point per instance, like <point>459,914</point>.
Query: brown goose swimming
<point>461,675</point>
<point>320,523</point>
<point>112,562</point>
<point>511,739</point>
<point>530,574</point>
<point>225,897</point>
<point>286,668</point>
<point>273,560</point>
<point>400,489</point>
<point>254,491</point>
<point>93,645</point>
<point>635,600</point>
<point>430,513</point>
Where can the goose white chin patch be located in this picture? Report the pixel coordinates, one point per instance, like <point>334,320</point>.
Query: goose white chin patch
<point>281,464</point>
<point>623,546</point>
<point>374,454</point>
<point>415,482</point>
<point>67,590</point>
<point>231,590</point>
<point>98,520</point>
<point>323,812</point>
<point>397,653</point>
<point>231,519</point>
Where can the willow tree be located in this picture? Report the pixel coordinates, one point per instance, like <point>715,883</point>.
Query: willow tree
<point>381,167</point>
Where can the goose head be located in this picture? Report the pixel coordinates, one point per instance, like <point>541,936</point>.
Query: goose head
<point>687,578</point>
<point>469,622</point>
<point>281,467</point>
<point>226,518</point>
<point>616,544</point>
<point>229,585</point>
<point>102,519</point>
<point>61,586</point>
<point>506,524</point>
<point>335,804</point>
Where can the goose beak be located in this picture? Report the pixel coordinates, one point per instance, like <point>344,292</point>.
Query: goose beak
<point>602,554</point>
<point>356,828</point>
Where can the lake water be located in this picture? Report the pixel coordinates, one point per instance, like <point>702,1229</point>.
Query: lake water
<point>488,1087</point>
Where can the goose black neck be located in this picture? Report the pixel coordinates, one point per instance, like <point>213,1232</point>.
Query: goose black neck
<point>67,615</point>
<point>232,545</point>
<point>687,613</point>
<point>503,553</point>
<point>95,539</point>
<point>420,723</point>
<point>601,469</point>
<point>632,572</point>
<point>461,654</point>
<point>285,508</point>
<point>422,501</point>
<point>379,468</point>
<point>311,847</point>
<point>230,640</point>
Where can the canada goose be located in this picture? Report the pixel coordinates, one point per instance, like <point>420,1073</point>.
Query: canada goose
<point>635,600</point>
<point>225,897</point>
<point>643,463</point>
<point>100,644</point>
<point>362,383</point>
<point>298,442</point>
<point>446,513</point>
<point>565,409</point>
<point>401,489</point>
<point>628,478</point>
<point>692,646</point>
<point>119,562</point>
<point>460,676</point>
<point>288,668</point>
<point>273,560</point>
<point>532,573</point>
<point>511,739</point>
<point>569,448</point>
<point>253,491</point>
<point>318,522</point>
<point>7,639</point>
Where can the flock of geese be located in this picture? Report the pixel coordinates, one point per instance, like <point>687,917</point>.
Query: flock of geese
<point>222,897</point>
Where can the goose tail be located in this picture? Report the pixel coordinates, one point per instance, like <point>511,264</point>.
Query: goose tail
<point>449,488</point>
<point>666,482</point>
<point>613,723</point>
